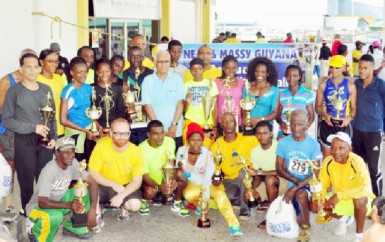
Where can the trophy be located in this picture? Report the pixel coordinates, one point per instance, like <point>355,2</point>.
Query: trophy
<point>338,105</point>
<point>248,104</point>
<point>288,118</point>
<point>46,114</point>
<point>208,103</point>
<point>203,204</point>
<point>316,189</point>
<point>229,106</point>
<point>129,99</point>
<point>80,191</point>
<point>108,104</point>
<point>94,114</point>
<point>168,173</point>
<point>217,177</point>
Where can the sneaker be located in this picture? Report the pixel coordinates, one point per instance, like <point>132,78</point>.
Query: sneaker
<point>99,224</point>
<point>244,214</point>
<point>178,206</point>
<point>22,212</point>
<point>157,201</point>
<point>123,214</point>
<point>343,223</point>
<point>87,235</point>
<point>235,230</point>
<point>191,206</point>
<point>198,211</point>
<point>305,233</point>
<point>358,237</point>
<point>28,228</point>
<point>144,209</point>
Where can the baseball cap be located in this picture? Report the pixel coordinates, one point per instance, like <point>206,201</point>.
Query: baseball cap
<point>359,42</point>
<point>337,61</point>
<point>54,47</point>
<point>65,143</point>
<point>376,43</point>
<point>341,135</point>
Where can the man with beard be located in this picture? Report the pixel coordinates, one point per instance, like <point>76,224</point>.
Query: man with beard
<point>135,57</point>
<point>117,166</point>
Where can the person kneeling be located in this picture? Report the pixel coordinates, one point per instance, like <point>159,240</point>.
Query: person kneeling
<point>352,194</point>
<point>53,199</point>
<point>196,166</point>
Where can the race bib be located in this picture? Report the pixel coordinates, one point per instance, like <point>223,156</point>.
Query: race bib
<point>298,166</point>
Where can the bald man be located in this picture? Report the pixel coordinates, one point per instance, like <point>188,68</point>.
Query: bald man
<point>140,41</point>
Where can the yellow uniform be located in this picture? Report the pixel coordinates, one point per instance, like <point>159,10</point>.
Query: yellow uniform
<point>213,73</point>
<point>119,167</point>
<point>146,62</point>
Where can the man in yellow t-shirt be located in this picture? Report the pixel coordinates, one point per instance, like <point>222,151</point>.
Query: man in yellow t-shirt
<point>140,41</point>
<point>356,55</point>
<point>117,166</point>
<point>196,89</point>
<point>234,148</point>
<point>232,40</point>
<point>157,150</point>
<point>352,194</point>
<point>210,72</point>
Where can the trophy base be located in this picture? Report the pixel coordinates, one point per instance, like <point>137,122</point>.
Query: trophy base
<point>96,133</point>
<point>217,178</point>
<point>323,218</point>
<point>168,199</point>
<point>248,131</point>
<point>44,142</point>
<point>107,130</point>
<point>252,204</point>
<point>336,122</point>
<point>79,220</point>
<point>203,223</point>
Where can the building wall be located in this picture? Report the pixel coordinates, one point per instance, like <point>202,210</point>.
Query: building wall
<point>185,20</point>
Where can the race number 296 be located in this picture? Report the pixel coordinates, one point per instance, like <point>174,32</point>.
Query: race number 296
<point>298,166</point>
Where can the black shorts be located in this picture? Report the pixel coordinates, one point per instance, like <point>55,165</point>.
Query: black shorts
<point>106,193</point>
<point>325,130</point>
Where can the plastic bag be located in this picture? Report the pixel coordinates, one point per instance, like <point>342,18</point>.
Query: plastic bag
<point>5,177</point>
<point>281,220</point>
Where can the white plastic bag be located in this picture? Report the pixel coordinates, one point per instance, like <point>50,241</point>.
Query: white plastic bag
<point>281,220</point>
<point>5,177</point>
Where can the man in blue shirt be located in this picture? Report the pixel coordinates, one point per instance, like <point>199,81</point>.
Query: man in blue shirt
<point>368,122</point>
<point>163,94</point>
<point>293,152</point>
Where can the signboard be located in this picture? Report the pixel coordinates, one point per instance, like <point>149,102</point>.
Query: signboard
<point>128,9</point>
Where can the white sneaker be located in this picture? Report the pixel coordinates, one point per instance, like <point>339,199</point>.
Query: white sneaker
<point>343,223</point>
<point>358,237</point>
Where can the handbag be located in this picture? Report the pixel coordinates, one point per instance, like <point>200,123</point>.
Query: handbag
<point>5,177</point>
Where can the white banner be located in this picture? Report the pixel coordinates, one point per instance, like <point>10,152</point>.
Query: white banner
<point>130,9</point>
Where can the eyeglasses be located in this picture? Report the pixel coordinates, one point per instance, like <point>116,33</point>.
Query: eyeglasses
<point>121,134</point>
<point>163,62</point>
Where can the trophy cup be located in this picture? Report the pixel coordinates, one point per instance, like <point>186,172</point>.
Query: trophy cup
<point>248,104</point>
<point>316,189</point>
<point>229,106</point>
<point>108,104</point>
<point>288,118</point>
<point>129,99</point>
<point>208,103</point>
<point>46,114</point>
<point>338,105</point>
<point>94,114</point>
<point>203,204</point>
<point>80,191</point>
<point>217,177</point>
<point>168,173</point>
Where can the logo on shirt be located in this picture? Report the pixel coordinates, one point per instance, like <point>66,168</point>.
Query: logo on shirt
<point>375,148</point>
<point>60,184</point>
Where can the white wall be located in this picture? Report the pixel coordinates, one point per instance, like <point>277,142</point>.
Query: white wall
<point>185,21</point>
<point>20,29</point>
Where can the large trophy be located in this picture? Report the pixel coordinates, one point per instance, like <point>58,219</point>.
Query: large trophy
<point>288,118</point>
<point>203,204</point>
<point>132,99</point>
<point>208,103</point>
<point>338,105</point>
<point>229,106</point>
<point>94,114</point>
<point>168,173</point>
<point>47,113</point>
<point>248,104</point>
<point>108,104</point>
<point>80,191</point>
<point>217,176</point>
<point>316,190</point>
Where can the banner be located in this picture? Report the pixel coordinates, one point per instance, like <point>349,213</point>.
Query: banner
<point>128,9</point>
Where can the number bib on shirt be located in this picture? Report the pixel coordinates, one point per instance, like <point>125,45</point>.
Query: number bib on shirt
<point>298,166</point>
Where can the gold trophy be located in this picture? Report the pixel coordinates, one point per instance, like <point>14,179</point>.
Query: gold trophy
<point>108,104</point>
<point>217,176</point>
<point>208,103</point>
<point>168,173</point>
<point>248,104</point>
<point>338,105</point>
<point>129,99</point>
<point>229,106</point>
<point>288,118</point>
<point>80,191</point>
<point>203,204</point>
<point>316,190</point>
<point>94,114</point>
<point>47,113</point>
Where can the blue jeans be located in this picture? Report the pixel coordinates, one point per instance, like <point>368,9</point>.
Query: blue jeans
<point>317,70</point>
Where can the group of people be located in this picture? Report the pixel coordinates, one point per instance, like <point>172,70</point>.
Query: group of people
<point>187,118</point>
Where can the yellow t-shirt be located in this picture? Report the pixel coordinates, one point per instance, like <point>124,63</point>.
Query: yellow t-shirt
<point>242,145</point>
<point>194,110</point>
<point>213,73</point>
<point>56,84</point>
<point>156,158</point>
<point>89,80</point>
<point>146,62</point>
<point>119,167</point>
<point>232,41</point>
<point>356,54</point>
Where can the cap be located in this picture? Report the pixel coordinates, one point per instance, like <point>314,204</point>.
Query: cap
<point>65,143</point>
<point>341,135</point>
<point>54,47</point>
<point>337,61</point>
<point>311,36</point>
<point>194,128</point>
<point>376,43</point>
<point>359,42</point>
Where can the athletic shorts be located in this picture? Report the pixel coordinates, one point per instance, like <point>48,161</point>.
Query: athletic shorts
<point>106,193</point>
<point>325,130</point>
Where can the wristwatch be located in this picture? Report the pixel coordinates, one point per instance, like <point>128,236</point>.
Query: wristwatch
<point>175,123</point>
<point>259,172</point>
<point>263,118</point>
